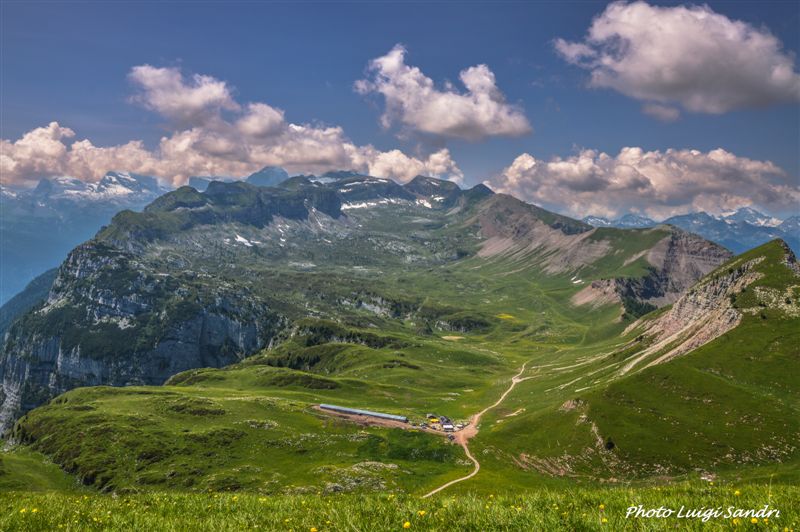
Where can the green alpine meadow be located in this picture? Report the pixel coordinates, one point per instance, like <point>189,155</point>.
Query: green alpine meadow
<point>386,266</point>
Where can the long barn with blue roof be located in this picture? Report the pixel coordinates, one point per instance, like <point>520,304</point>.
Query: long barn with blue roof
<point>359,412</point>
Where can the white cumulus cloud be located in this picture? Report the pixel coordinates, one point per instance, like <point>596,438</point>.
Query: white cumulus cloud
<point>656,183</point>
<point>397,165</point>
<point>212,135</point>
<point>40,151</point>
<point>413,101</point>
<point>165,91</point>
<point>689,55</point>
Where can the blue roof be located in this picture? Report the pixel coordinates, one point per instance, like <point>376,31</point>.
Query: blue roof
<point>358,411</point>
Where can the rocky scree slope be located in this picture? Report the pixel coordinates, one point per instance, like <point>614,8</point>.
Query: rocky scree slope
<point>710,309</point>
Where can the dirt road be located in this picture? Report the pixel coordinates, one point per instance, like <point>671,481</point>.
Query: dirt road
<point>462,437</point>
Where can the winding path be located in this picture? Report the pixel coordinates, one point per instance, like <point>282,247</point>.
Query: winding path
<point>462,437</point>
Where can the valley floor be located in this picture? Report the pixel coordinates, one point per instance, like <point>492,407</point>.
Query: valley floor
<point>542,509</point>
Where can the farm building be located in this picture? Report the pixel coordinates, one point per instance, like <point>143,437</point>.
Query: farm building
<point>359,412</point>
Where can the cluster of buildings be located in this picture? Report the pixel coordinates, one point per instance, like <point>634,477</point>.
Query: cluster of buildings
<point>443,423</point>
<point>432,421</point>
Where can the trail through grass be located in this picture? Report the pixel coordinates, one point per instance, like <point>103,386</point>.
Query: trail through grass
<point>462,437</point>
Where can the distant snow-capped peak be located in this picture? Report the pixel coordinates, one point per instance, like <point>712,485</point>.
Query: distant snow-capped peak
<point>751,216</point>
<point>628,221</point>
<point>635,220</point>
<point>597,221</point>
<point>113,186</point>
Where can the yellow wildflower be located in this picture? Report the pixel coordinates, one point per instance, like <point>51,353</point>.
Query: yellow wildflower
<point>754,520</point>
<point>421,513</point>
<point>406,525</point>
<point>737,493</point>
<point>604,520</point>
<point>602,506</point>
<point>736,521</point>
<point>34,510</point>
<point>313,529</point>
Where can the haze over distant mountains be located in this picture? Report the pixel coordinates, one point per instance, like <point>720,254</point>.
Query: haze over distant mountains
<point>39,226</point>
<point>738,231</point>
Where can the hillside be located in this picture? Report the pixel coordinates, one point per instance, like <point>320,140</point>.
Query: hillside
<point>706,386</point>
<point>206,279</point>
<point>34,294</point>
<point>582,411</point>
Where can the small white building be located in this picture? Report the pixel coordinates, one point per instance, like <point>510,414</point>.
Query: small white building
<point>447,427</point>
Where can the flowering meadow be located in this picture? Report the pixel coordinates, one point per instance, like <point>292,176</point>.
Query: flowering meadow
<point>542,509</point>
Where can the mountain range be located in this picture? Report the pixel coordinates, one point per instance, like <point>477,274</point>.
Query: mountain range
<point>738,231</point>
<point>189,345</point>
<point>39,226</point>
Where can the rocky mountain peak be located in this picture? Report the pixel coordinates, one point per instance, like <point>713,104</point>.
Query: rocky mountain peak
<point>434,191</point>
<point>269,176</point>
<point>752,217</point>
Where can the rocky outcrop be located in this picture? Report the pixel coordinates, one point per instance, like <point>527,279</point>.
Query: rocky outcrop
<point>701,315</point>
<point>109,320</point>
<point>675,263</point>
<point>597,293</point>
<point>679,261</point>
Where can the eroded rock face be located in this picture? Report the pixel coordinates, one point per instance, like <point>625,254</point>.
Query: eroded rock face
<point>677,262</point>
<point>680,261</point>
<point>704,313</point>
<point>109,320</point>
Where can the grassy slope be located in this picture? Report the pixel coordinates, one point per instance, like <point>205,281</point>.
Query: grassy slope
<point>733,402</point>
<point>411,374</point>
<point>23,469</point>
<point>731,407</point>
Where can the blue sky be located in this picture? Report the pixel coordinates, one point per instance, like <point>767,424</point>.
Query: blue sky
<point>70,63</point>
